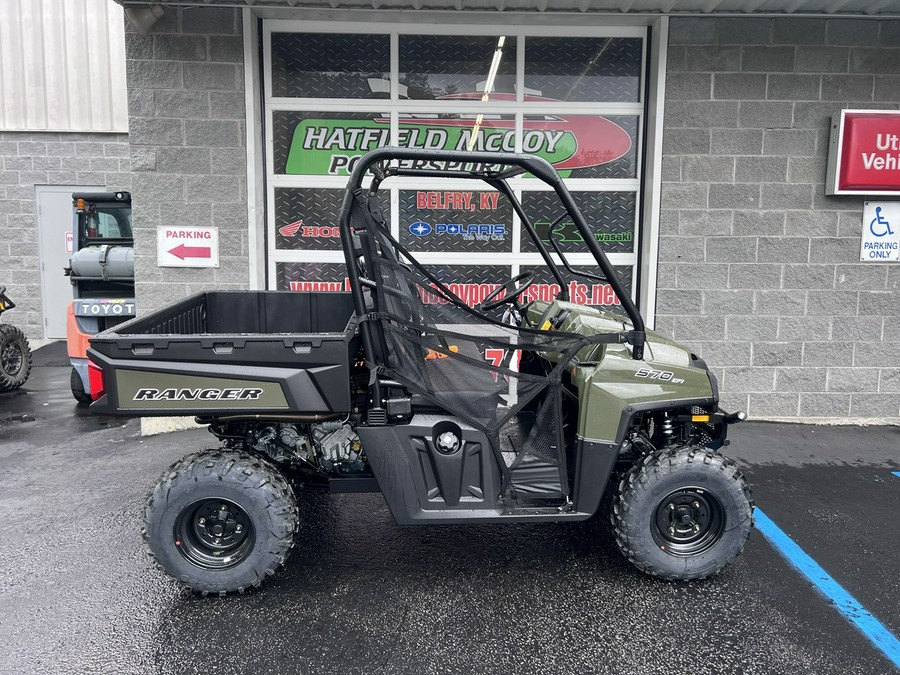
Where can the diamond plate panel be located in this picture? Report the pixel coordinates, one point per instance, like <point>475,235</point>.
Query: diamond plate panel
<point>610,215</point>
<point>584,69</point>
<point>433,66</point>
<point>307,276</point>
<point>453,221</point>
<point>307,218</point>
<point>472,283</point>
<point>581,291</point>
<point>330,65</point>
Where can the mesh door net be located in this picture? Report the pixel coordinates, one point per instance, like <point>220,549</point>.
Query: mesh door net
<point>427,338</point>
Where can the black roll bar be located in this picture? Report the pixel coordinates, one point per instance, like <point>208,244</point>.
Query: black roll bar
<point>537,166</point>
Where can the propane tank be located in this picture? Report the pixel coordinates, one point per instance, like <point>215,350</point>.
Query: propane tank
<point>104,262</point>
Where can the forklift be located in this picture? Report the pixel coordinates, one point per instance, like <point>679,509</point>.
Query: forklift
<point>101,270</point>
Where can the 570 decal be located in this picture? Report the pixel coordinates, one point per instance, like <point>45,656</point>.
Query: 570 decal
<point>662,375</point>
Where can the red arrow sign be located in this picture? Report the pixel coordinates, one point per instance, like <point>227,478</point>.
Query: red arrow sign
<point>181,251</point>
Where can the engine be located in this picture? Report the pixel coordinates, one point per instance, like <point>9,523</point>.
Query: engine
<point>331,447</point>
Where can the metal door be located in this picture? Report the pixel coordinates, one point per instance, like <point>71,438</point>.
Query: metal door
<point>54,208</point>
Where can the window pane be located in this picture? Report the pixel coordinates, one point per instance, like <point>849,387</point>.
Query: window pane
<point>610,215</point>
<point>296,276</point>
<point>584,69</point>
<point>581,291</point>
<point>453,221</point>
<point>435,66</point>
<point>471,283</point>
<point>440,131</point>
<point>328,65</point>
<point>325,144</point>
<point>585,146</point>
<point>307,218</point>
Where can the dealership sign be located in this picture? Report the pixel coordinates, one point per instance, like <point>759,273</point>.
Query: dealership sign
<point>864,158</point>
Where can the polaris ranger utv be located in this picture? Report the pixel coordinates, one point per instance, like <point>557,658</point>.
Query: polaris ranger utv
<point>387,388</point>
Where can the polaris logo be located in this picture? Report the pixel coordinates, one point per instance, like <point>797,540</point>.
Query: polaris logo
<point>198,394</point>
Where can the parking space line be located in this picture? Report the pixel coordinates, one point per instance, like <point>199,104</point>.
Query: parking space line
<point>886,642</point>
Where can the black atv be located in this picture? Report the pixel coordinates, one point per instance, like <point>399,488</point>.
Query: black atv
<point>15,354</point>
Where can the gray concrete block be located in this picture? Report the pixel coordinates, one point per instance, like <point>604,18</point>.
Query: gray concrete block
<point>736,86</point>
<point>214,189</point>
<point>761,169</point>
<point>686,142</point>
<point>211,21</point>
<point>707,169</point>
<point>800,379</point>
<point>834,250</point>
<point>786,196</point>
<point>232,161</point>
<point>847,87</point>
<point>115,149</point>
<point>889,35</point>
<point>731,249</point>
<point>777,354</point>
<point>153,188</point>
<point>784,249</point>
<point>676,58</point>
<point>793,87</point>
<point>768,59</point>
<point>211,76</point>
<point>752,329</point>
<point>749,379</point>
<point>674,116</point>
<point>849,224</point>
<point>226,49</point>
<point>823,202</point>
<point>820,59</point>
<point>67,149</point>
<point>709,114</point>
<point>671,168</point>
<point>878,303</point>
<point>716,59</point>
<point>827,353</point>
<point>736,141</point>
<point>831,303</point>
<point>875,405</point>
<point>699,328</point>
<point>705,222</point>
<point>198,213</point>
<point>811,223</point>
<point>824,405</point>
<point>153,131</point>
<point>702,276</point>
<point>858,329</point>
<point>18,163</point>
<point>744,31</point>
<point>796,142</point>
<point>143,159</point>
<point>676,302</point>
<point>889,380</point>
<point>808,276</point>
<point>734,195</point>
<point>227,105</point>
<point>796,31</point>
<point>178,47</point>
<point>140,103</point>
<point>153,75</point>
<point>887,88</point>
<point>755,276</point>
<point>748,223</point>
<point>684,196</point>
<point>847,379</point>
<point>681,248</point>
<point>183,160</point>
<point>31,148</point>
<point>137,47</point>
<point>877,354</point>
<point>779,303</point>
<point>665,275</point>
<point>721,354</point>
<point>765,115</point>
<point>774,405</point>
<point>100,164</point>
<point>807,169</point>
<point>184,104</point>
<point>851,32</point>
<point>803,328</point>
<point>878,61</point>
<point>863,277</point>
<point>213,133</point>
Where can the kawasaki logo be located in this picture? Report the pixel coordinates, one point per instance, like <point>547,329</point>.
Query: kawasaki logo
<point>148,394</point>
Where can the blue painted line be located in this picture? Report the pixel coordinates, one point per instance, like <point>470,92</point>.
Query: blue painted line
<point>885,641</point>
<point>896,473</point>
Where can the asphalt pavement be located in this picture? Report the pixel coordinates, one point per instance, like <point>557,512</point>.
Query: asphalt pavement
<point>362,595</point>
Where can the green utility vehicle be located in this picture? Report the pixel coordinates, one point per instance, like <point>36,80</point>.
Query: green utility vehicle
<point>15,354</point>
<point>514,410</point>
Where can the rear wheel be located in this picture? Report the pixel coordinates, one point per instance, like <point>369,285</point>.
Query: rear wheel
<point>15,358</point>
<point>220,521</point>
<point>682,514</point>
<point>77,386</point>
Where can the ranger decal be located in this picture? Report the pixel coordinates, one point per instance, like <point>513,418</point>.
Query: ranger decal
<point>149,394</point>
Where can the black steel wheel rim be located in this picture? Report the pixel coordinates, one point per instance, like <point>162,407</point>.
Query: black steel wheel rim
<point>688,521</point>
<point>214,534</point>
<point>12,359</point>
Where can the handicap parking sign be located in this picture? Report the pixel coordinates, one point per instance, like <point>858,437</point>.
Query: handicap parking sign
<point>880,232</point>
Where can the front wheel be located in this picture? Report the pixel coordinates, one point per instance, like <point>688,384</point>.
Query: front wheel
<point>220,521</point>
<point>15,358</point>
<point>682,514</point>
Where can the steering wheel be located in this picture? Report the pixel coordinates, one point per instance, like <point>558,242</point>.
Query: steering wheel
<point>513,292</point>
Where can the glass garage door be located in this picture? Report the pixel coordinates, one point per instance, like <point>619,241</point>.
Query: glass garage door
<point>572,96</point>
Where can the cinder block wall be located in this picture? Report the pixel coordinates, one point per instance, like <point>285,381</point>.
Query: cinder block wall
<point>759,270</point>
<point>187,134</point>
<point>40,158</point>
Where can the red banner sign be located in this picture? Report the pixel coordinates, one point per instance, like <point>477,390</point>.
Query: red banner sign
<point>865,153</point>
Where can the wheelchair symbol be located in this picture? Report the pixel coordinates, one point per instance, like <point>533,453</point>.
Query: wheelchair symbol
<point>878,220</point>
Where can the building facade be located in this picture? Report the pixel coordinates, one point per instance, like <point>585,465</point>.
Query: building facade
<point>697,144</point>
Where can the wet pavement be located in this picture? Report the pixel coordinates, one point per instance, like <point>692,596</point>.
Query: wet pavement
<point>362,595</point>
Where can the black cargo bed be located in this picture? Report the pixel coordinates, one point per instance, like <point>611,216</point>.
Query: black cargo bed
<point>231,352</point>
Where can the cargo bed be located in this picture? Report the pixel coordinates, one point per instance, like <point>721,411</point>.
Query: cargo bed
<point>231,353</point>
